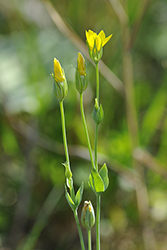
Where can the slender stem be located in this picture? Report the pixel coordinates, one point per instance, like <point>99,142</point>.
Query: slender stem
<point>67,159</point>
<point>96,128</point>
<point>97,81</point>
<point>96,139</point>
<point>79,230</point>
<point>98,201</point>
<point>98,197</point>
<point>89,240</point>
<point>72,192</point>
<point>86,130</point>
<point>64,132</point>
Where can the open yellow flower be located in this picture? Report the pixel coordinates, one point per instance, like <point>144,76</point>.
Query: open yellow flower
<point>95,40</point>
<point>58,71</point>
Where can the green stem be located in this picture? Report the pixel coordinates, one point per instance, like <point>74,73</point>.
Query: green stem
<point>86,130</point>
<point>96,128</point>
<point>96,139</point>
<point>97,81</point>
<point>98,201</point>
<point>79,230</point>
<point>72,192</point>
<point>98,197</point>
<point>64,132</point>
<point>89,240</point>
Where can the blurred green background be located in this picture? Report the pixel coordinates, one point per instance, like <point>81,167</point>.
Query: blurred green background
<point>34,213</point>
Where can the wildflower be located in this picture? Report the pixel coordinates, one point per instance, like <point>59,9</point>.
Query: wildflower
<point>80,75</point>
<point>88,215</point>
<point>96,43</point>
<point>60,87</point>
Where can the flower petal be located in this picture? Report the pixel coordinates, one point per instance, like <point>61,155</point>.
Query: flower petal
<point>91,36</point>
<point>98,43</point>
<point>102,36</point>
<point>58,72</point>
<point>106,40</point>
<point>81,64</point>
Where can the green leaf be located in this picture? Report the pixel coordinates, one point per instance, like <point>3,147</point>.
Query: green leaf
<point>69,200</point>
<point>78,196</point>
<point>96,182</point>
<point>104,175</point>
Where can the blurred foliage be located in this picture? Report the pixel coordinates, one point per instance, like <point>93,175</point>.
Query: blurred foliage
<point>31,149</point>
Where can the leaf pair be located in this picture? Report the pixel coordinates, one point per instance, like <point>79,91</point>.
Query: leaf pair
<point>99,181</point>
<point>74,200</point>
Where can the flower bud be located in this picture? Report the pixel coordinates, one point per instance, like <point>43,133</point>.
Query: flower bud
<point>60,87</point>
<point>88,215</point>
<point>80,76</point>
<point>68,173</point>
<point>97,113</point>
<point>81,64</point>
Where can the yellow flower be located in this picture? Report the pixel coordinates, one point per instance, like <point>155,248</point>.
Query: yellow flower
<point>95,40</point>
<point>81,64</point>
<point>58,71</point>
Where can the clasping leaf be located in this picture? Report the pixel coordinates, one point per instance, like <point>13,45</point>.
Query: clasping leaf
<point>99,181</point>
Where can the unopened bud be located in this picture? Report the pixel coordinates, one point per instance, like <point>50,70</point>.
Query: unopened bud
<point>88,215</point>
<point>80,76</point>
<point>60,87</point>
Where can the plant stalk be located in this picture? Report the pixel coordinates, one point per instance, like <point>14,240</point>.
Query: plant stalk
<point>98,201</point>
<point>96,128</point>
<point>79,230</point>
<point>98,197</point>
<point>64,132</point>
<point>97,81</point>
<point>86,130</point>
<point>89,240</point>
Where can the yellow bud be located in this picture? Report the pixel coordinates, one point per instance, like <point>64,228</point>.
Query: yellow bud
<point>60,87</point>
<point>58,71</point>
<point>81,64</point>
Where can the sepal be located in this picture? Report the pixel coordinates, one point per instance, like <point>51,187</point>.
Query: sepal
<point>60,89</point>
<point>98,112</point>
<point>81,82</point>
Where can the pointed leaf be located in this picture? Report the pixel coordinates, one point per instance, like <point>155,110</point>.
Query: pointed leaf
<point>69,200</point>
<point>78,196</point>
<point>104,175</point>
<point>96,182</point>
